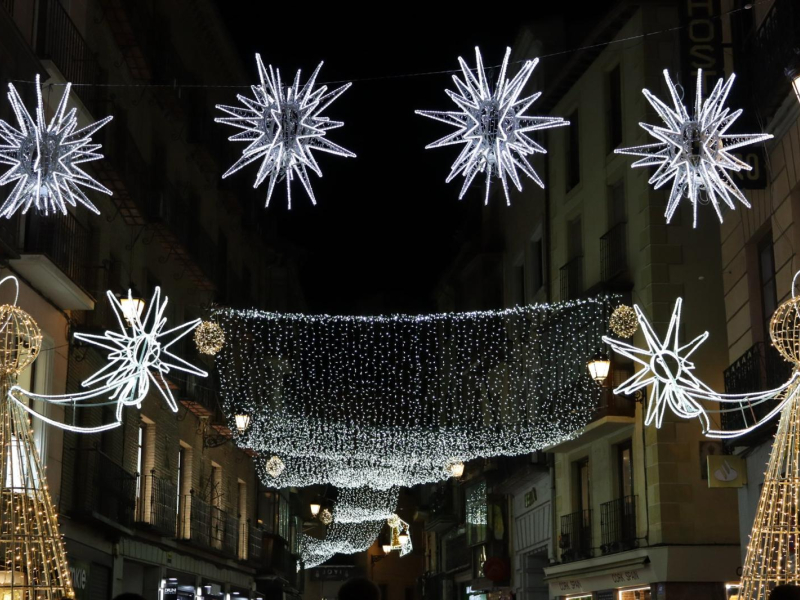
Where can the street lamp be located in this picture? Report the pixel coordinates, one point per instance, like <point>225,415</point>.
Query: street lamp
<point>456,468</point>
<point>599,365</point>
<point>132,305</point>
<point>242,422</point>
<point>315,508</point>
<point>387,548</point>
<point>403,538</point>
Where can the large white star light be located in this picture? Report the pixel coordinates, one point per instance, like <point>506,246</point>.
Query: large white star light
<point>666,366</point>
<point>139,356</point>
<point>282,126</point>
<point>45,158</point>
<point>493,126</point>
<point>695,152</point>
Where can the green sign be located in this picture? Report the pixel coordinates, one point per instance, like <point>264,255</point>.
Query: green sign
<point>80,573</point>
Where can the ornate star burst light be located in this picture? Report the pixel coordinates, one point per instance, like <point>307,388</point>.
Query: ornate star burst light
<point>139,356</point>
<point>694,152</point>
<point>282,126</point>
<point>411,392</point>
<point>666,366</point>
<point>493,126</point>
<point>45,158</point>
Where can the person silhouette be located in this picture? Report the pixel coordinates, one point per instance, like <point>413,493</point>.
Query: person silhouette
<point>785,592</point>
<point>359,588</point>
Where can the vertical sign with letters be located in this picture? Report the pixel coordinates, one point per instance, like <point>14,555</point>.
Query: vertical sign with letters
<point>702,47</point>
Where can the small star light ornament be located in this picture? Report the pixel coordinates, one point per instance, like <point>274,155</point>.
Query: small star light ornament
<point>493,126</point>
<point>45,158</point>
<point>282,126</point>
<point>694,152</point>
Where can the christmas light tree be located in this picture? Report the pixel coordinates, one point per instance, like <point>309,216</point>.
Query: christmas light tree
<point>34,564</point>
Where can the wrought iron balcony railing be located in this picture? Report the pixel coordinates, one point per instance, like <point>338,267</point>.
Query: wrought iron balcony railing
<point>614,252</point>
<point>208,526</point>
<point>618,525</point>
<point>760,368</point>
<point>157,504</point>
<point>64,241</point>
<point>576,536</point>
<point>104,488</point>
<point>251,542</point>
<point>60,41</point>
<point>571,279</point>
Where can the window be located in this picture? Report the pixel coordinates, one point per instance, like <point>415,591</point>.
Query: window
<point>766,276</point>
<point>616,203</point>
<point>582,499</point>
<point>181,467</point>
<point>573,152</point>
<point>477,513</point>
<point>574,239</point>
<point>141,436</point>
<point>642,593</point>
<point>614,108</point>
<point>625,469</point>
<point>216,485</point>
<point>537,265</point>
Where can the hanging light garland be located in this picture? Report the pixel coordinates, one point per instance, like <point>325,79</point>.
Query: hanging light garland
<point>46,159</point>
<point>356,505</point>
<point>493,126</point>
<point>388,401</point>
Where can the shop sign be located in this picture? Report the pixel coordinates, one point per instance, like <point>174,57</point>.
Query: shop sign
<point>726,471</point>
<point>79,572</point>
<point>615,579</point>
<point>332,573</point>
<point>605,595</point>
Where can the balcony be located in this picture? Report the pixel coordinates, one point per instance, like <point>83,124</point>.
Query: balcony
<point>251,543</point>
<point>457,553</point>
<point>571,278</point>
<point>208,526</point>
<point>55,257</point>
<point>104,491</point>
<point>279,560</point>
<point>157,505</point>
<point>614,253</point>
<point>60,41</point>
<point>768,52</point>
<point>575,540</point>
<point>618,525</point>
<point>760,368</point>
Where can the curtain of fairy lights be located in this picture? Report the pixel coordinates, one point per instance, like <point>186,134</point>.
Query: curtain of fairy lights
<point>385,401</point>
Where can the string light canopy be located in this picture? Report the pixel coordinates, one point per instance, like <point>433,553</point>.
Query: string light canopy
<point>388,401</point>
<point>139,356</point>
<point>33,561</point>
<point>356,505</point>
<point>694,151</point>
<point>282,126</point>
<point>493,126</point>
<point>46,158</point>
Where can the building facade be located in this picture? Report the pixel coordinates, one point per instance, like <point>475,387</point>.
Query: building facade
<point>166,501</point>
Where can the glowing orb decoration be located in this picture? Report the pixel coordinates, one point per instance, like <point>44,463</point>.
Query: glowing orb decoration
<point>493,126</point>
<point>21,337</point>
<point>694,152</point>
<point>623,321</point>
<point>209,338</point>
<point>46,158</point>
<point>326,516</point>
<point>282,126</point>
<point>784,329</point>
<point>275,467</point>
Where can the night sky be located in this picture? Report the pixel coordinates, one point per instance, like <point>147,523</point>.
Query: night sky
<point>386,224</point>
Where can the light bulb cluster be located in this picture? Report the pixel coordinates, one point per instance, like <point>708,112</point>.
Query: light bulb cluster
<point>356,505</point>
<point>389,401</point>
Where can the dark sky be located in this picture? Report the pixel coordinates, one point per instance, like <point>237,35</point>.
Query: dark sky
<point>385,225</point>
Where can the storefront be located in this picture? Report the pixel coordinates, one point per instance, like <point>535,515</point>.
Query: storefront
<point>90,569</point>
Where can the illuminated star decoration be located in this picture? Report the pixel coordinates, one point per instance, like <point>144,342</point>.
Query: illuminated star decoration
<point>138,357</point>
<point>45,158</point>
<point>694,152</point>
<point>283,125</point>
<point>666,366</point>
<point>493,126</point>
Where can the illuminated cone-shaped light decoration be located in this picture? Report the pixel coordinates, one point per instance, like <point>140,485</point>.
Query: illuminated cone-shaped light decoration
<point>772,554</point>
<point>34,564</point>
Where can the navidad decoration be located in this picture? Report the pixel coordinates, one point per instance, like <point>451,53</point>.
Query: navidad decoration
<point>282,126</point>
<point>326,517</point>
<point>666,366</point>
<point>492,125</point>
<point>46,158</point>
<point>694,151</point>
<point>139,356</point>
<point>356,505</point>
<point>209,338</point>
<point>275,467</point>
<point>33,561</point>
<point>388,401</point>
<point>623,321</point>
<point>399,535</point>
